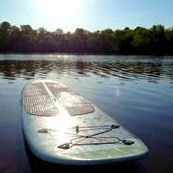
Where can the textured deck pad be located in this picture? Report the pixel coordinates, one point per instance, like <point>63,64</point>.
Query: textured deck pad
<point>40,100</point>
<point>74,103</point>
<point>36,101</point>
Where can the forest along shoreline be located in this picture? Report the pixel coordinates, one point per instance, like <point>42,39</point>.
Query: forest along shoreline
<point>139,41</point>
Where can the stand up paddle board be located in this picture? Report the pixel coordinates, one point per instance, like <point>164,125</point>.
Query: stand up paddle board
<point>62,127</point>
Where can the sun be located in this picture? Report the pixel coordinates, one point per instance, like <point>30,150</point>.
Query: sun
<point>58,8</point>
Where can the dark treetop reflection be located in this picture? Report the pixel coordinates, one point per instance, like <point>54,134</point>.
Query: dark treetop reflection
<point>126,70</point>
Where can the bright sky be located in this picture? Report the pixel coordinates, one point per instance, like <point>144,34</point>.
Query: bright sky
<point>91,15</point>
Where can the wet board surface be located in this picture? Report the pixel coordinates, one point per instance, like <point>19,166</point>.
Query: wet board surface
<point>62,127</point>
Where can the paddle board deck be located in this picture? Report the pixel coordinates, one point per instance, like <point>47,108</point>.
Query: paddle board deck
<point>62,127</point>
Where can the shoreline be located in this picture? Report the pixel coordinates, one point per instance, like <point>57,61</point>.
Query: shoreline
<point>78,54</point>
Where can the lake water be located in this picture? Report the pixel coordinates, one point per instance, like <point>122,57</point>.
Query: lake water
<point>137,91</point>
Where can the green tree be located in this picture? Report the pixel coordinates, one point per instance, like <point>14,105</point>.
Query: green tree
<point>169,41</point>
<point>15,39</point>
<point>142,40</point>
<point>106,39</point>
<point>158,39</point>
<point>81,40</point>
<point>122,41</point>
<point>5,32</point>
<point>28,39</point>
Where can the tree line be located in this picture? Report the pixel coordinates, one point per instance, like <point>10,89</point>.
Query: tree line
<point>154,41</point>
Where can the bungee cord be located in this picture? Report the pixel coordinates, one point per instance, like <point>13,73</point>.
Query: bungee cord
<point>78,139</point>
<point>81,138</point>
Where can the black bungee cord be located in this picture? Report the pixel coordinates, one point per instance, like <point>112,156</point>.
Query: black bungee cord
<point>85,137</point>
<point>81,138</point>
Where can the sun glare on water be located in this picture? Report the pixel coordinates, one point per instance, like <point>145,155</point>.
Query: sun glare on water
<point>58,8</point>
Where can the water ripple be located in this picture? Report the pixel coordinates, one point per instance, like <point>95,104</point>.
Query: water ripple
<point>129,70</point>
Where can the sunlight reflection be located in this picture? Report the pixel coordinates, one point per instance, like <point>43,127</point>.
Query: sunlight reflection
<point>60,128</point>
<point>117,92</point>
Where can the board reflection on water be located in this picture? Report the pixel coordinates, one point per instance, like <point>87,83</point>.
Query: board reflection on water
<point>137,91</point>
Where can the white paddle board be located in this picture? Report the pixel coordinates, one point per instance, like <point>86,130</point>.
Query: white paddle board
<point>62,127</point>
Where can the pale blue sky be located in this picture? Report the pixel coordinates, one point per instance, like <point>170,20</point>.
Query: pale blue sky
<point>91,15</point>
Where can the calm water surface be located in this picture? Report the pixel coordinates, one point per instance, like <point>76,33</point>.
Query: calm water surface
<point>135,90</point>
